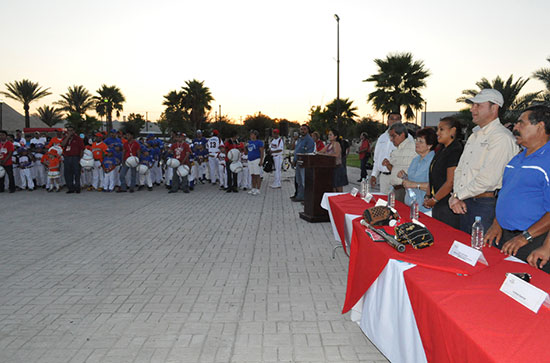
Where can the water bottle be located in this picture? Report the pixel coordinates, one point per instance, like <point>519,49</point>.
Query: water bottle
<point>477,234</point>
<point>414,210</point>
<point>363,191</point>
<point>391,198</point>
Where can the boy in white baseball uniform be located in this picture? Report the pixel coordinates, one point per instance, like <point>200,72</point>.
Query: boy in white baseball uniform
<point>276,146</point>
<point>220,156</point>
<point>213,161</point>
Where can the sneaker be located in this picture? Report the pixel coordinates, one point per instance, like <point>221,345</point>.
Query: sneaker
<point>256,192</point>
<point>251,191</point>
<point>131,190</point>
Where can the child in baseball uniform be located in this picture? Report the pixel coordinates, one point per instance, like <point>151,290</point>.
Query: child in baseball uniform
<point>25,166</point>
<point>52,161</point>
<point>109,164</point>
<point>244,175</point>
<point>220,156</point>
<point>39,169</point>
<point>146,159</point>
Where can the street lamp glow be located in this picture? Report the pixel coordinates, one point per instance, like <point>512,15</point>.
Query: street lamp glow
<point>336,17</point>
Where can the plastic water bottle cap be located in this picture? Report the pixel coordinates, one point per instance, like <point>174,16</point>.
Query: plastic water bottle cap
<point>478,219</point>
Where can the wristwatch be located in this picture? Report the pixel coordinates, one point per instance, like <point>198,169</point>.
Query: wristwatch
<point>527,236</point>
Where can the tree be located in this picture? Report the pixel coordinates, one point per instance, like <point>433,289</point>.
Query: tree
<point>196,100</point>
<point>227,127</point>
<point>259,122</point>
<point>174,117</point>
<point>543,75</point>
<point>398,84</point>
<point>110,99</point>
<point>372,127</point>
<point>49,115</point>
<point>513,102</point>
<point>83,123</point>
<point>135,123</point>
<point>25,91</point>
<point>77,99</point>
<point>324,119</point>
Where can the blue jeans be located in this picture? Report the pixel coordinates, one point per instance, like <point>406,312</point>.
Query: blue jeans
<point>301,182</point>
<point>483,207</point>
<point>123,172</point>
<point>72,172</point>
<point>177,180</point>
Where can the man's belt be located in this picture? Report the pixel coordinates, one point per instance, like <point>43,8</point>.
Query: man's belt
<point>386,173</point>
<point>486,195</point>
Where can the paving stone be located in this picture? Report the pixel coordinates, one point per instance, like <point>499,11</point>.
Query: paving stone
<point>153,277</point>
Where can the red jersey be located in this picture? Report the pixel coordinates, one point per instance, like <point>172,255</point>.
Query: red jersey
<point>74,147</point>
<point>98,150</point>
<point>319,145</point>
<point>131,148</point>
<point>6,149</point>
<point>181,151</point>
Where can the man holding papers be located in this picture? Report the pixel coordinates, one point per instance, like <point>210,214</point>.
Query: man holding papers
<point>523,206</point>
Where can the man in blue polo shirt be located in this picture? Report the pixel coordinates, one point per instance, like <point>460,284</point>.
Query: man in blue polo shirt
<point>523,206</point>
<point>304,145</point>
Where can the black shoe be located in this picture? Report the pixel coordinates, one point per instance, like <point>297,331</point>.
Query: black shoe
<point>228,190</point>
<point>186,190</point>
<point>360,180</point>
<point>172,191</point>
<point>70,191</point>
<point>293,197</point>
<point>140,187</point>
<point>12,191</point>
<point>78,191</point>
<point>121,191</point>
<point>131,190</point>
<point>191,188</point>
<point>149,188</point>
<point>235,190</point>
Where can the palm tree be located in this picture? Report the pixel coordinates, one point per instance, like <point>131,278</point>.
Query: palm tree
<point>77,99</point>
<point>174,117</point>
<point>543,75</point>
<point>25,91</point>
<point>110,99</point>
<point>197,100</point>
<point>174,101</point>
<point>49,115</point>
<point>513,102</point>
<point>398,83</point>
<point>340,113</point>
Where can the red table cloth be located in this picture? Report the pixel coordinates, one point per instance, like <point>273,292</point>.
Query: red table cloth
<point>467,319</point>
<point>368,258</point>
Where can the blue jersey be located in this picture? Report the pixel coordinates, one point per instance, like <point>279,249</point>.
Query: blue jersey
<point>146,160</point>
<point>118,156</point>
<point>109,162</point>
<point>111,141</point>
<point>202,141</point>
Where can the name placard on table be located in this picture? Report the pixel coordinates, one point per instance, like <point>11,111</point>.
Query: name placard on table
<point>467,254</point>
<point>524,293</point>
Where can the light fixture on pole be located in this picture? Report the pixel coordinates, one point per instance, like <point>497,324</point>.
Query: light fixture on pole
<point>338,122</point>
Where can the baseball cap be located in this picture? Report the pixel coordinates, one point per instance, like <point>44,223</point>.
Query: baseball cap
<point>99,134</point>
<point>487,95</point>
<point>275,131</point>
<point>215,132</point>
<point>199,132</point>
<point>113,131</point>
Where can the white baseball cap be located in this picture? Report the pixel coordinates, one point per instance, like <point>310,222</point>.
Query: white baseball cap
<point>487,95</point>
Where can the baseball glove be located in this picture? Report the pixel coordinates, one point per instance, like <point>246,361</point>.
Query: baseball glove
<point>417,236</point>
<point>379,216</point>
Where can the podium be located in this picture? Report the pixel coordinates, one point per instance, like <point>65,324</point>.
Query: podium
<point>319,171</point>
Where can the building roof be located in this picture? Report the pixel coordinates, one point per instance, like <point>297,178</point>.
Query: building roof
<point>13,120</point>
<point>431,118</point>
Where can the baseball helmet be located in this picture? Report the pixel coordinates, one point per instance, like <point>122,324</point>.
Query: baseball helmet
<point>233,154</point>
<point>173,163</point>
<point>236,167</point>
<point>87,154</point>
<point>132,161</point>
<point>142,169</point>
<point>56,148</point>
<point>87,163</point>
<point>2,171</point>
<point>182,170</point>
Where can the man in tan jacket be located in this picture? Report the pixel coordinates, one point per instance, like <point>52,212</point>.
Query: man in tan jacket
<point>400,158</point>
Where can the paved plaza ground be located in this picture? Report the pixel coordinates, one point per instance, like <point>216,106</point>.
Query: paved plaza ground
<point>158,277</point>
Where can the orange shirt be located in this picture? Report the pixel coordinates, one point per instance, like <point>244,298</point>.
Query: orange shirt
<point>54,141</point>
<point>52,162</point>
<point>98,150</point>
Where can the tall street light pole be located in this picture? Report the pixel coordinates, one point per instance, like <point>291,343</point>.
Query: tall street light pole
<point>338,122</point>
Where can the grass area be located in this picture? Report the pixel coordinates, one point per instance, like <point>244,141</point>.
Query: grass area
<point>353,160</point>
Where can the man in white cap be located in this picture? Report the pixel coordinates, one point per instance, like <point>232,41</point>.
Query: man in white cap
<point>276,147</point>
<point>478,176</point>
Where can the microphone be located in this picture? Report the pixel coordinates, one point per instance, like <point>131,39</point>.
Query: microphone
<point>400,247</point>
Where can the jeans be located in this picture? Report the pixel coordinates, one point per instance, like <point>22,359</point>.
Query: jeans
<point>123,172</point>
<point>11,179</point>
<point>176,182</point>
<point>231,177</point>
<point>482,207</point>
<point>364,162</point>
<point>301,181</point>
<point>72,172</point>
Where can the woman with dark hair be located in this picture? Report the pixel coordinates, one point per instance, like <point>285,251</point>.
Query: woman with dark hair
<point>334,148</point>
<point>442,171</point>
<point>417,175</point>
<point>364,155</point>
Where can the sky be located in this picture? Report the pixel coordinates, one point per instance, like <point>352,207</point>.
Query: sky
<point>274,57</point>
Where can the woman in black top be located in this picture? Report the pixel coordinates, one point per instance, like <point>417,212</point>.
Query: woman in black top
<point>442,171</point>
